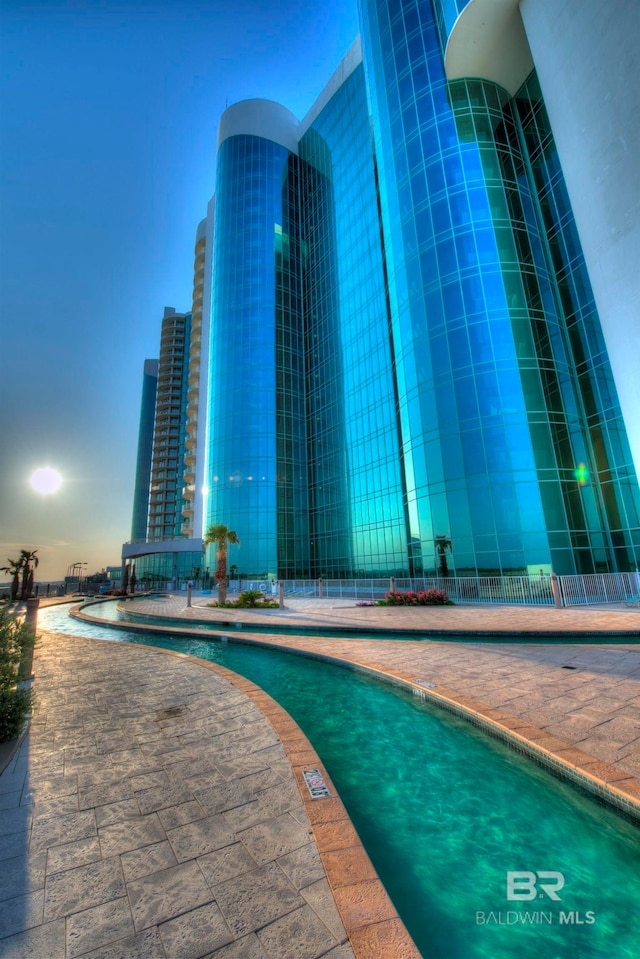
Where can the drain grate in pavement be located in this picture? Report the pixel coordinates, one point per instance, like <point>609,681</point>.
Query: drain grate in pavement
<point>568,667</point>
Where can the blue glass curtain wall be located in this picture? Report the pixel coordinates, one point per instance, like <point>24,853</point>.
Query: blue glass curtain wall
<point>492,413</point>
<point>604,507</point>
<point>446,13</point>
<point>407,371</point>
<point>143,463</point>
<point>155,570</point>
<point>358,517</point>
<point>292,495</point>
<point>330,541</point>
<point>256,428</point>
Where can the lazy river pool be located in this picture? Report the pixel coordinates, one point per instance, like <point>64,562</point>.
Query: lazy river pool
<point>111,611</point>
<point>446,813</point>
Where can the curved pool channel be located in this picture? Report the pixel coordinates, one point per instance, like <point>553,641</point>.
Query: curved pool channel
<point>446,813</point>
<point>112,611</point>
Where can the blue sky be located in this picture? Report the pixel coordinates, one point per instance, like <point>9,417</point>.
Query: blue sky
<point>108,123</point>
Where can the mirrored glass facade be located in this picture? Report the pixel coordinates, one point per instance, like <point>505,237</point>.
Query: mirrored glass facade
<point>256,449</point>
<point>507,463</point>
<point>170,569</point>
<point>407,371</point>
<point>145,450</point>
<point>358,513</point>
<point>447,12</point>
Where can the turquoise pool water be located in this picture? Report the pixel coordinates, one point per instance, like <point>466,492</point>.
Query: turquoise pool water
<point>445,812</point>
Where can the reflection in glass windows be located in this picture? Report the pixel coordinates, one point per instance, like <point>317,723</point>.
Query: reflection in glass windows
<point>407,371</point>
<point>504,384</point>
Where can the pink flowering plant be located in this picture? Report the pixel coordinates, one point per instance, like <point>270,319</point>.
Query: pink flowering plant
<point>428,597</point>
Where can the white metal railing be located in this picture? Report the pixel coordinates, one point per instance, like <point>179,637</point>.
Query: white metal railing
<point>517,590</point>
<point>504,590</point>
<point>599,588</point>
<point>511,590</point>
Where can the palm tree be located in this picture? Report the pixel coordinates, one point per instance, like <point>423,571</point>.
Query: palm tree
<point>13,569</point>
<point>442,544</point>
<point>28,563</point>
<point>222,536</point>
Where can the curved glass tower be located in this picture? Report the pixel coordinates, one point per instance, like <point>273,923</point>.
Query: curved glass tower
<point>256,450</point>
<point>514,448</point>
<point>407,373</point>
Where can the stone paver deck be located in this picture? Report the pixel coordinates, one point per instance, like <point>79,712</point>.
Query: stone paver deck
<point>156,810</point>
<point>343,613</point>
<point>581,703</point>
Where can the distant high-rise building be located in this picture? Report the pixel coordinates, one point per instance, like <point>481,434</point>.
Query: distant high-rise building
<point>145,451</point>
<point>169,435</point>
<point>195,423</point>
<point>408,300</point>
<point>165,552</point>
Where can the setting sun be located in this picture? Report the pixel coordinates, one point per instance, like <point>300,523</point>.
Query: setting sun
<point>45,480</point>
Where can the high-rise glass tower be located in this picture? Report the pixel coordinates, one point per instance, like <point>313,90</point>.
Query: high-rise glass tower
<point>402,349</point>
<point>358,517</point>
<point>512,432</point>
<point>161,549</point>
<point>256,446</point>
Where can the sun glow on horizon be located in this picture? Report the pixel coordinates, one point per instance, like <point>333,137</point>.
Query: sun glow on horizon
<point>45,480</point>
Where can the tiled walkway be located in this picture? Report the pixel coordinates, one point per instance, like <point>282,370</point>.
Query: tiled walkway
<point>157,808</point>
<point>153,811</point>
<point>343,613</point>
<point>580,702</point>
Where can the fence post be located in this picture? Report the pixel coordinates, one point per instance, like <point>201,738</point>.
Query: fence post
<point>392,584</point>
<point>320,588</point>
<point>280,594</point>
<point>555,588</point>
<point>188,594</point>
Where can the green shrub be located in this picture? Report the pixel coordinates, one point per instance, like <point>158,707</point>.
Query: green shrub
<point>15,708</point>
<point>16,644</point>
<point>249,599</point>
